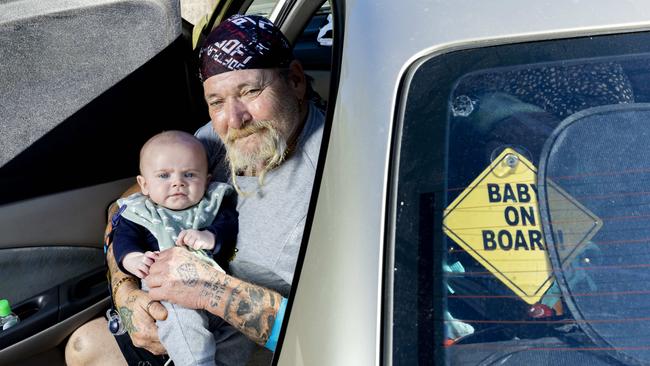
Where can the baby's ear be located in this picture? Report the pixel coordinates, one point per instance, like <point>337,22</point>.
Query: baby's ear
<point>208,179</point>
<point>143,185</point>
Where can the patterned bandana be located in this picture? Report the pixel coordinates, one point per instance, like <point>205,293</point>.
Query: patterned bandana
<point>244,42</point>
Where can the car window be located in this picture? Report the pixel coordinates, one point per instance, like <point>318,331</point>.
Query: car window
<point>521,205</point>
<point>262,7</point>
<point>313,47</point>
<point>193,10</point>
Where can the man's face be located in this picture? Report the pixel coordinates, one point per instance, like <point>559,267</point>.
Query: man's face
<point>174,175</point>
<point>254,112</point>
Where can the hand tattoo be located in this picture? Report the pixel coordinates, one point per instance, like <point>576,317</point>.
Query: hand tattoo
<point>188,273</point>
<point>126,315</point>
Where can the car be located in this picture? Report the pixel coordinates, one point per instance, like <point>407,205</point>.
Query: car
<point>481,195</point>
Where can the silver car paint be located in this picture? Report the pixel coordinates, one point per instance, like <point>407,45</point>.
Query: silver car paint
<point>337,316</point>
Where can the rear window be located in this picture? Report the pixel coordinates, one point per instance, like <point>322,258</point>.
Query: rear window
<point>522,205</point>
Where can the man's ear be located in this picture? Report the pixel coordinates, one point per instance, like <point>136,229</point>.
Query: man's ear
<point>297,79</point>
<point>143,185</point>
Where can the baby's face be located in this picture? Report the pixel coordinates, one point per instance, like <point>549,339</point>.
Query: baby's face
<point>174,175</point>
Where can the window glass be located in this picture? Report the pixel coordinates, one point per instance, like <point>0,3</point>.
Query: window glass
<point>313,47</point>
<point>262,7</point>
<point>265,7</point>
<point>194,10</point>
<point>522,206</point>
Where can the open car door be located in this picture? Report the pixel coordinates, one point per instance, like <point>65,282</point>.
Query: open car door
<point>84,84</point>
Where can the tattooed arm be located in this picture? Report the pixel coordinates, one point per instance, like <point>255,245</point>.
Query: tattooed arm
<point>131,303</point>
<point>182,278</point>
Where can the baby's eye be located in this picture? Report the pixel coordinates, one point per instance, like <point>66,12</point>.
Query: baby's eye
<point>163,175</point>
<point>189,175</point>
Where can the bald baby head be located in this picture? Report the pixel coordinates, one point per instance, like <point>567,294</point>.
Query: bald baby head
<point>173,170</point>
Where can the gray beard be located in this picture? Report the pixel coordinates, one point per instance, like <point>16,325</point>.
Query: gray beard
<point>270,153</point>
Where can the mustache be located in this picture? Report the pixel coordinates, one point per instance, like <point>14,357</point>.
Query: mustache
<point>251,128</point>
<point>269,152</point>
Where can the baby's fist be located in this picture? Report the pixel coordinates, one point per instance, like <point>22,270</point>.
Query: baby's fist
<point>196,239</point>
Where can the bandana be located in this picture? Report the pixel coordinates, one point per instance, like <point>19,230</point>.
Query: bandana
<point>244,42</point>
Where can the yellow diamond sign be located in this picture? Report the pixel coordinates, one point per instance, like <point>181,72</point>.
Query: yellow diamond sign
<point>496,220</point>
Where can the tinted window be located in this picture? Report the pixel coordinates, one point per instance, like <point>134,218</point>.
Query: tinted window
<point>522,208</point>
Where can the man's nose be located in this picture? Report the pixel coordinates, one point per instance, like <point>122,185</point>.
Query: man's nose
<point>237,114</point>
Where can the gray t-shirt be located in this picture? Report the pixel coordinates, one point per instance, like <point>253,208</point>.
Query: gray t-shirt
<point>271,217</point>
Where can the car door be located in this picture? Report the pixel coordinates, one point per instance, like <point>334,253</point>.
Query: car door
<point>84,84</point>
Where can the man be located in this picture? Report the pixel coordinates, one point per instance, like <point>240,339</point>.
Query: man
<point>266,133</point>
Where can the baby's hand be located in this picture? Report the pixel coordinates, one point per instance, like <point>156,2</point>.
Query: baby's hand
<point>138,263</point>
<point>196,239</point>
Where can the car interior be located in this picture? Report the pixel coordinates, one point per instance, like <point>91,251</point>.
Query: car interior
<point>89,82</point>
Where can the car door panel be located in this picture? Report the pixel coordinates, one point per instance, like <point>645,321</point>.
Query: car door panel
<point>80,212</point>
<point>49,275</point>
<point>31,271</point>
<point>85,81</point>
<point>43,344</point>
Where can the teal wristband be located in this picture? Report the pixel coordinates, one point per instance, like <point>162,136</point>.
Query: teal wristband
<point>277,325</point>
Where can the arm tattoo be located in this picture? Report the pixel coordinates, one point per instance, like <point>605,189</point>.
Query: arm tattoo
<point>252,310</point>
<point>214,289</point>
<point>112,265</point>
<point>126,315</point>
<point>113,269</point>
<point>188,273</point>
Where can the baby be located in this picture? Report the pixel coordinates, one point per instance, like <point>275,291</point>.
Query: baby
<point>176,207</point>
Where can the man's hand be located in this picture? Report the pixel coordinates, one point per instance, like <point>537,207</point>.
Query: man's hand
<point>138,263</point>
<point>132,303</point>
<point>140,321</point>
<point>196,239</point>
<point>180,277</point>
